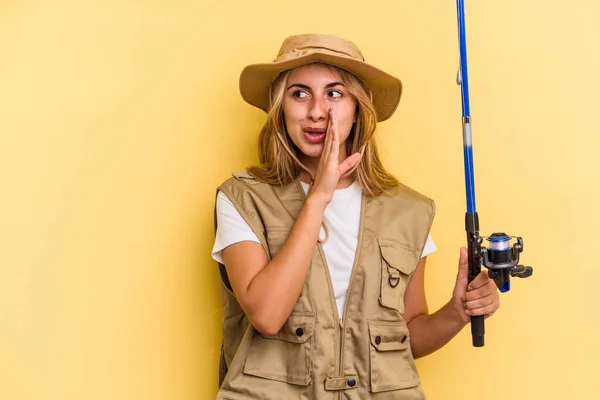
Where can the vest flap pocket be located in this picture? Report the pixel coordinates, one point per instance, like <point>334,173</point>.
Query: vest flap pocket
<point>398,262</point>
<point>287,356</point>
<point>297,329</point>
<point>397,255</point>
<point>388,338</point>
<point>392,365</point>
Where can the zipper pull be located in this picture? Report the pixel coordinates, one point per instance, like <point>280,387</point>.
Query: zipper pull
<point>341,323</point>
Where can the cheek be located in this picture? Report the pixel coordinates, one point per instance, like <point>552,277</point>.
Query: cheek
<point>346,116</point>
<point>345,124</point>
<point>345,130</point>
<point>292,114</point>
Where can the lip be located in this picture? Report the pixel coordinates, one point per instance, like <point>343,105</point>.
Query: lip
<point>313,130</point>
<point>314,135</point>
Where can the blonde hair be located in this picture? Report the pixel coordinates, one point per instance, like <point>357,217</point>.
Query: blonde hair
<point>278,166</point>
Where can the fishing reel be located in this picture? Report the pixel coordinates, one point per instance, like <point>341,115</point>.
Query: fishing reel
<point>502,260</point>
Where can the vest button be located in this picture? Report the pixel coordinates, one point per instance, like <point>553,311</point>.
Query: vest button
<point>351,382</point>
<point>403,339</point>
<point>377,339</point>
<point>299,331</point>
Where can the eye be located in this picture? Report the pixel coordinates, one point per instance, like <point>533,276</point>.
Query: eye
<point>336,94</point>
<point>300,94</point>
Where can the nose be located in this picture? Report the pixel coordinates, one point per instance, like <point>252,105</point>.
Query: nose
<point>318,109</point>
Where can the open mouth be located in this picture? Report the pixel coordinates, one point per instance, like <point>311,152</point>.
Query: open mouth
<point>315,135</point>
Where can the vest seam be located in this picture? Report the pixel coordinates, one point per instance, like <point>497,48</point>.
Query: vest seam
<point>246,218</point>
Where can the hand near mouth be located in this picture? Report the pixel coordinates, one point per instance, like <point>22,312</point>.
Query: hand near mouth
<point>330,170</point>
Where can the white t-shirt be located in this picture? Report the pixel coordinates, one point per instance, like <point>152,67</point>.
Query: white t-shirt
<point>342,216</point>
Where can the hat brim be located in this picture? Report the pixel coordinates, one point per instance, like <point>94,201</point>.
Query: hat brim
<point>256,80</point>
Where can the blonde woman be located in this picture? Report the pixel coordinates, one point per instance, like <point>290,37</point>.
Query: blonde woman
<point>321,250</point>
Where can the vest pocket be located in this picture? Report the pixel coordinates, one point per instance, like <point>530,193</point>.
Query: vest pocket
<point>392,366</point>
<point>287,356</point>
<point>398,262</point>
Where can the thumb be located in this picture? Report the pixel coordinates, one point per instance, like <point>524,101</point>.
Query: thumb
<point>349,163</point>
<point>463,266</point>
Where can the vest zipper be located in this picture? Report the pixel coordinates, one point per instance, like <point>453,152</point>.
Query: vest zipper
<point>354,266</point>
<point>342,339</point>
<point>341,318</point>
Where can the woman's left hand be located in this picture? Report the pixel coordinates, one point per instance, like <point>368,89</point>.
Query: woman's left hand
<point>480,297</point>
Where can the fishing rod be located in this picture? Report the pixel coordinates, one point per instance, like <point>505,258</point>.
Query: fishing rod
<point>500,257</point>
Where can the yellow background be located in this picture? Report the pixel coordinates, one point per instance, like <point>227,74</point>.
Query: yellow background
<point>119,118</point>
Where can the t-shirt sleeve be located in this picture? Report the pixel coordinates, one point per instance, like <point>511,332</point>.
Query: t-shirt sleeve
<point>429,247</point>
<point>231,227</point>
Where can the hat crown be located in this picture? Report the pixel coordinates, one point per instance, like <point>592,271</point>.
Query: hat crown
<point>301,45</point>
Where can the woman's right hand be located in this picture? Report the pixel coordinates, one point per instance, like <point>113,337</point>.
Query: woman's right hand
<point>330,168</point>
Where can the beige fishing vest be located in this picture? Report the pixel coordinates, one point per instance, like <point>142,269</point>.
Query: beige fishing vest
<point>318,354</point>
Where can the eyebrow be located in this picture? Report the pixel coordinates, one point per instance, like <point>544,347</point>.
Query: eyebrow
<point>328,86</point>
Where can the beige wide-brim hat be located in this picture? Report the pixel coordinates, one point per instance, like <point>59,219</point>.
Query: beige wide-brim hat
<point>299,50</point>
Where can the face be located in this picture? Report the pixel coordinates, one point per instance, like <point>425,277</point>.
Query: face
<point>310,92</point>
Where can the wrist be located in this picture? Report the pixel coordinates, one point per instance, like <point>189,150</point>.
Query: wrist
<point>456,313</point>
<point>316,201</point>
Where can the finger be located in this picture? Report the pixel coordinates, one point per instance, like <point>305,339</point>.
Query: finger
<point>487,290</point>
<point>335,145</point>
<point>463,265</point>
<point>489,315</point>
<point>479,303</point>
<point>331,134</point>
<point>480,280</point>
<point>463,261</point>
<point>483,310</point>
<point>462,276</point>
<point>328,134</point>
<point>326,144</point>
<point>349,163</point>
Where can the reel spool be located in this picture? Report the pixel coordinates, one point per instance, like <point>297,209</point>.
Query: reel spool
<point>502,260</point>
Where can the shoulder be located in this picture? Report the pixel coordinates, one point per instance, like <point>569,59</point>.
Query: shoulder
<point>241,180</point>
<point>242,185</point>
<point>402,200</point>
<point>403,193</point>
<point>242,176</point>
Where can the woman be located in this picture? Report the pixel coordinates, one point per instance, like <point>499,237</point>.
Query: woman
<point>322,251</point>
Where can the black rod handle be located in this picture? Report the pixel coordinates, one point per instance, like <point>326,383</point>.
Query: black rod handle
<point>474,250</point>
<point>478,330</point>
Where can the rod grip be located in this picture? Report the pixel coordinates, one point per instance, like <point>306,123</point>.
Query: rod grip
<point>477,330</point>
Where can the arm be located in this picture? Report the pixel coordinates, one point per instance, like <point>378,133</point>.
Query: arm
<point>267,291</point>
<point>430,332</point>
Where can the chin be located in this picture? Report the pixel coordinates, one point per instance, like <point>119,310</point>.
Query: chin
<point>312,150</point>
